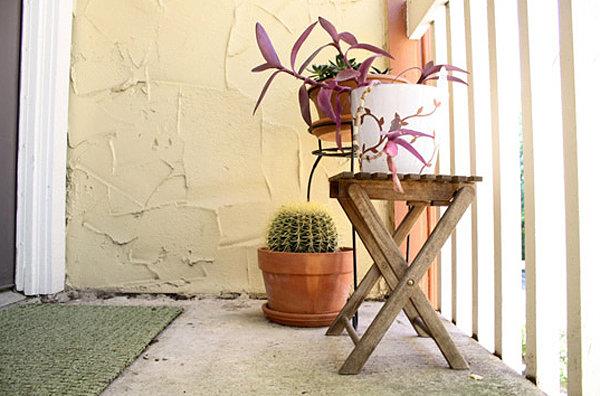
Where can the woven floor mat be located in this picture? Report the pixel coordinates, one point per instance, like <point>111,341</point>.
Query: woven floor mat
<point>52,349</point>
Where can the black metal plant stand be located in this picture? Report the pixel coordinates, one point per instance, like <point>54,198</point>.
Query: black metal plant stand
<point>344,152</point>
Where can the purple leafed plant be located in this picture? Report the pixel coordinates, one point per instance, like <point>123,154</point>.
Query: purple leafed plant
<point>327,87</point>
<point>343,43</point>
<point>398,135</point>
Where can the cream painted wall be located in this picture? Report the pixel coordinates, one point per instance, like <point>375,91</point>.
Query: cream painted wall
<point>171,180</point>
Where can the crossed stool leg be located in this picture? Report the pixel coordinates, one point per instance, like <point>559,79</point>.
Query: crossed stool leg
<point>402,278</point>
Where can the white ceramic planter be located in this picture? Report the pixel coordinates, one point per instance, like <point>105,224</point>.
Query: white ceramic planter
<point>387,100</point>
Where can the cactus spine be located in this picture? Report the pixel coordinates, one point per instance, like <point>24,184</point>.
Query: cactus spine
<point>302,228</point>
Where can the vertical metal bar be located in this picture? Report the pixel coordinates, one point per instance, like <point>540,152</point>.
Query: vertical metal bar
<point>312,171</point>
<point>354,256</point>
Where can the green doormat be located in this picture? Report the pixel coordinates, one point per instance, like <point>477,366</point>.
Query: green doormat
<point>50,349</point>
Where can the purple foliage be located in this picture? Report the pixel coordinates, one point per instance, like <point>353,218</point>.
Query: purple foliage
<point>327,87</point>
<point>394,137</point>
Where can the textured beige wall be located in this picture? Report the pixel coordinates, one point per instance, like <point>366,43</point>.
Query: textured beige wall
<point>171,179</point>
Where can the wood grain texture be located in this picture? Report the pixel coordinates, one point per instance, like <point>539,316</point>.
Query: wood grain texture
<point>371,279</point>
<point>386,254</point>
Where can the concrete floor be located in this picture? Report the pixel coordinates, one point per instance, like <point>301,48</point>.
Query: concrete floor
<point>226,347</point>
<point>8,297</point>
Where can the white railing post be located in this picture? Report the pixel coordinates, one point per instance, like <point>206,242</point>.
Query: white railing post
<point>580,60</point>
<point>481,164</point>
<point>505,116</point>
<point>460,133</point>
<point>445,162</point>
<point>544,196</point>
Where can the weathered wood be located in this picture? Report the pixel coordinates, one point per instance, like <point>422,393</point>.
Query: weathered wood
<point>384,248</point>
<point>399,265</point>
<point>353,335</point>
<point>439,333</point>
<point>389,269</point>
<point>380,176</point>
<point>410,176</point>
<point>413,190</point>
<point>366,284</point>
<point>459,178</point>
<point>373,275</point>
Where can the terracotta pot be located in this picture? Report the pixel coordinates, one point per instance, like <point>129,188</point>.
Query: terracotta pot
<point>305,289</point>
<point>324,127</point>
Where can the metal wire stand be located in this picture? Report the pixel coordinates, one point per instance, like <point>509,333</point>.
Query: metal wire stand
<point>344,152</point>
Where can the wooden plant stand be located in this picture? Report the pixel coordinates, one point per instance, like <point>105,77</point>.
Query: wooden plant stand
<point>354,193</point>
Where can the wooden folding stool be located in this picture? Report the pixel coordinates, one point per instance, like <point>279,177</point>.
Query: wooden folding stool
<point>354,193</point>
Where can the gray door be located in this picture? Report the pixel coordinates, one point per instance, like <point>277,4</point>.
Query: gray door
<point>10,42</point>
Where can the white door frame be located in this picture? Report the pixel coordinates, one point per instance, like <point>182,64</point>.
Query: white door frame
<point>41,166</point>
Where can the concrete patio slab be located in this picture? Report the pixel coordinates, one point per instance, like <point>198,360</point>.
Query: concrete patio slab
<point>8,297</point>
<point>226,347</point>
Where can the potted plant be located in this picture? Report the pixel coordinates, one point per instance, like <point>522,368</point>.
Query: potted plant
<point>307,277</point>
<point>386,116</point>
<point>324,128</point>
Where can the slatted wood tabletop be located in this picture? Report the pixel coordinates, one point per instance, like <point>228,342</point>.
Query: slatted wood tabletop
<point>433,190</point>
<point>354,192</point>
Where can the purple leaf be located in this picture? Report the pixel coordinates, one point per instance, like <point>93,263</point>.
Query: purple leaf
<point>391,149</point>
<point>299,43</point>
<point>438,68</point>
<point>311,57</point>
<point>428,65</point>
<point>402,132</point>
<point>431,69</point>
<point>449,78</point>
<point>363,70</point>
<point>262,67</point>
<point>348,38</point>
<point>338,121</point>
<point>304,104</point>
<point>324,102</point>
<point>373,49</point>
<point>329,28</point>
<point>264,90</point>
<point>347,74</point>
<point>456,79</point>
<point>266,47</point>
<point>401,142</point>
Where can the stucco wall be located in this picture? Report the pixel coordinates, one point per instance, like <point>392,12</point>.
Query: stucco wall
<point>171,179</point>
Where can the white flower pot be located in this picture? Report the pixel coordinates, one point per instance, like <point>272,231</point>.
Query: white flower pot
<point>405,100</point>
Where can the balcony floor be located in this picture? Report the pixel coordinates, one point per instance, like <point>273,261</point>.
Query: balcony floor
<point>227,347</point>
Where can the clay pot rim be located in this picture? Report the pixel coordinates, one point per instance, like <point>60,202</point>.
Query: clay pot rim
<point>305,264</point>
<point>342,250</point>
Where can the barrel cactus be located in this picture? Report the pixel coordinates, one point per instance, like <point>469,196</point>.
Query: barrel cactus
<point>302,228</point>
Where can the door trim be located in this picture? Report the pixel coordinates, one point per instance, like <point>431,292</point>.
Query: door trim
<point>42,152</point>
